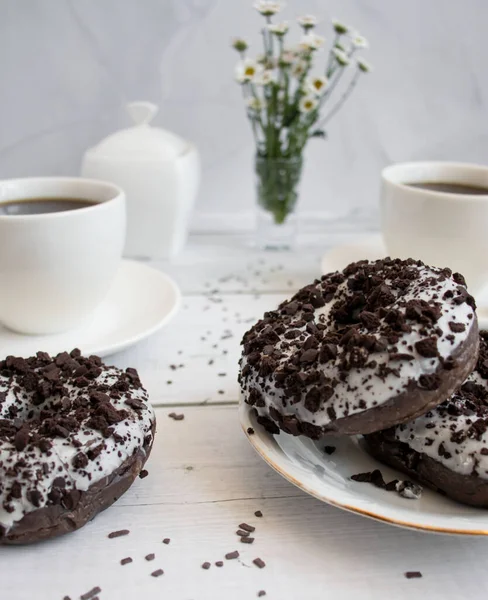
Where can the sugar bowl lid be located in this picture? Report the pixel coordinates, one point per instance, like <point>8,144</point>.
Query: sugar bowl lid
<point>141,141</point>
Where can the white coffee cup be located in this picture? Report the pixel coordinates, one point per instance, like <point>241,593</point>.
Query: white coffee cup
<point>440,228</point>
<point>55,268</point>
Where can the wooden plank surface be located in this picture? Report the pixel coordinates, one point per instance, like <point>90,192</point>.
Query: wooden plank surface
<point>205,479</point>
<point>194,359</point>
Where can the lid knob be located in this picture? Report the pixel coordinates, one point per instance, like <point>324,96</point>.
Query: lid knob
<point>141,112</point>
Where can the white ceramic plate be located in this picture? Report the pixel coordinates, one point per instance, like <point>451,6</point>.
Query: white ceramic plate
<point>328,477</point>
<point>140,301</point>
<point>371,248</point>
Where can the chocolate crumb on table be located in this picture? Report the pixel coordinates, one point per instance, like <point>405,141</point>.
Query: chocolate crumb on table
<point>157,573</point>
<point>242,533</point>
<point>116,534</point>
<point>259,562</point>
<point>166,541</point>
<point>405,489</point>
<point>247,527</point>
<point>89,595</point>
<point>261,593</point>
<point>219,563</point>
<point>247,540</point>
<point>143,473</point>
<point>150,556</point>
<point>258,513</point>
<point>250,431</point>
<point>329,449</point>
<point>206,566</point>
<point>232,555</point>
<point>413,574</point>
<point>176,417</point>
<point>66,598</point>
<point>126,561</point>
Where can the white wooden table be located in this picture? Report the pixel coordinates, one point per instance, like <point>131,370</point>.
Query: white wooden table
<point>205,479</point>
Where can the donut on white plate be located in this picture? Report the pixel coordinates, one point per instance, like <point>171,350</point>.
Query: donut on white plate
<point>360,350</point>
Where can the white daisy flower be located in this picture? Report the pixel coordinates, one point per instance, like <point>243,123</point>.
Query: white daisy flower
<point>286,58</point>
<point>254,104</point>
<point>364,66</point>
<point>299,68</point>
<point>339,27</point>
<point>307,21</point>
<point>240,45</point>
<point>307,104</point>
<point>265,77</point>
<point>359,41</point>
<point>341,57</point>
<point>312,41</point>
<point>247,70</point>
<point>278,29</point>
<point>317,85</point>
<point>268,8</point>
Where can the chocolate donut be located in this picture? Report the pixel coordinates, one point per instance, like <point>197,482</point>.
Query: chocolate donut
<point>447,448</point>
<point>361,350</point>
<point>74,434</point>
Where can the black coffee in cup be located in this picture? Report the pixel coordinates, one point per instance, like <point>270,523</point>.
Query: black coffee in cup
<point>38,206</point>
<point>450,188</point>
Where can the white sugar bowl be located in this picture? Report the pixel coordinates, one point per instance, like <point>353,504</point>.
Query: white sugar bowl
<point>160,174</point>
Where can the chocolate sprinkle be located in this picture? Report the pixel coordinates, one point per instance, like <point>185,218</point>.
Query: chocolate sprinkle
<point>120,533</point>
<point>166,540</point>
<point>247,540</point>
<point>157,573</point>
<point>258,513</point>
<point>176,417</point>
<point>219,563</point>
<point>247,527</point>
<point>89,595</point>
<point>329,449</point>
<point>206,566</point>
<point>259,562</point>
<point>150,557</point>
<point>126,561</point>
<point>413,574</point>
<point>232,555</point>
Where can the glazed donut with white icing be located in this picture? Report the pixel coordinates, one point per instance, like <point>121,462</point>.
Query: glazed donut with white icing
<point>361,350</point>
<point>447,448</point>
<point>74,434</point>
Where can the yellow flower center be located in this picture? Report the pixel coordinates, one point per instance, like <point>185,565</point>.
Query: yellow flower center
<point>249,71</point>
<point>318,84</point>
<point>308,104</point>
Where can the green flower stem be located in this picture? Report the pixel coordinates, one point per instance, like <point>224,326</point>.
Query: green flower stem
<point>337,106</point>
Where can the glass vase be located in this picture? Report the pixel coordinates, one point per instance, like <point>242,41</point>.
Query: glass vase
<point>277,183</point>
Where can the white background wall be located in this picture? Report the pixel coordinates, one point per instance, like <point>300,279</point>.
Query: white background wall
<point>68,66</point>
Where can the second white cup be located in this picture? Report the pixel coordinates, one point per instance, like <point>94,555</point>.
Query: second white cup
<point>445,229</point>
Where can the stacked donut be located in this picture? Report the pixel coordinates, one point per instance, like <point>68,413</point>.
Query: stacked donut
<point>388,349</point>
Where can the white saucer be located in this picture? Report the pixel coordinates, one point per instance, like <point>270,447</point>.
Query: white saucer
<point>140,301</point>
<point>328,478</point>
<point>371,248</point>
